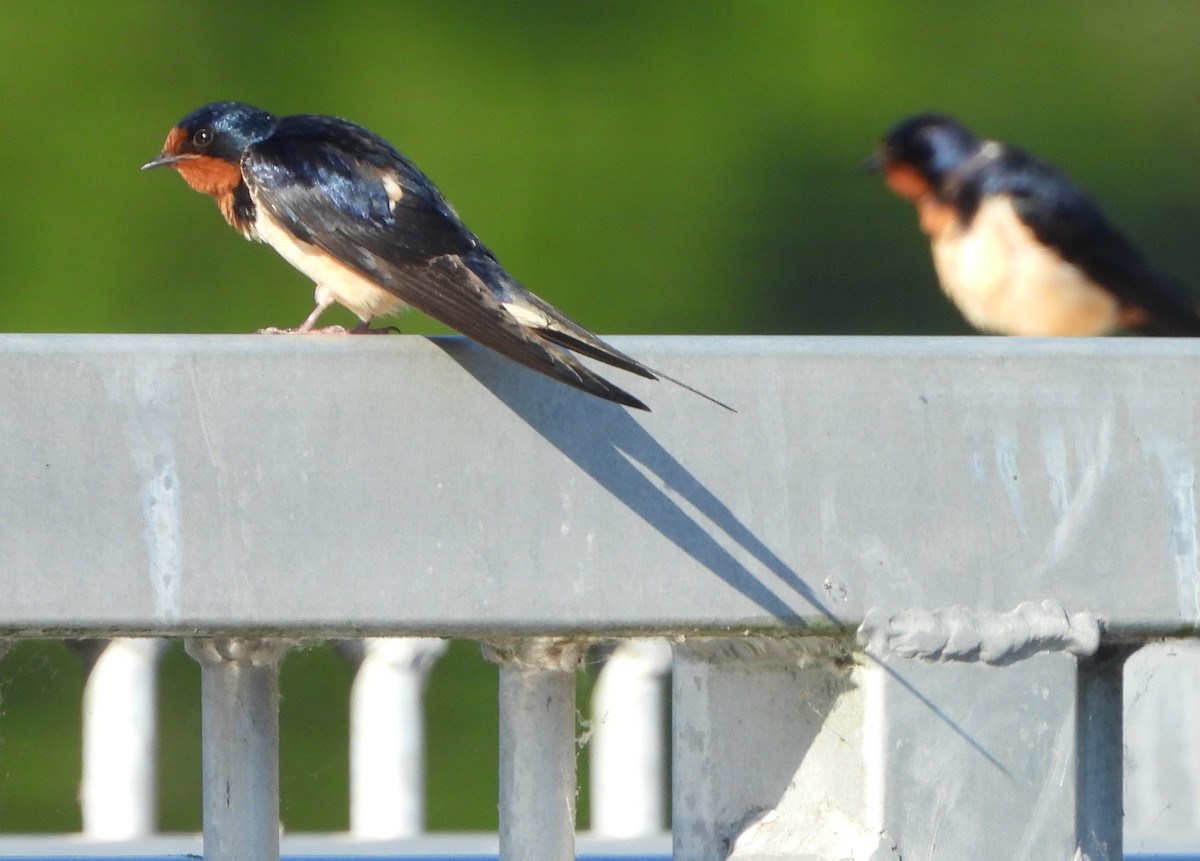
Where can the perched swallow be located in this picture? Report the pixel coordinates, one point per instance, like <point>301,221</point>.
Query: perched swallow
<point>1017,246</point>
<point>340,204</point>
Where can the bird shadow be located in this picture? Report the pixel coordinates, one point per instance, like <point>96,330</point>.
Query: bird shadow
<point>608,444</point>
<point>612,447</point>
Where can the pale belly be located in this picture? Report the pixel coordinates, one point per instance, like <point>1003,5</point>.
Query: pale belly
<point>1004,281</point>
<point>335,281</point>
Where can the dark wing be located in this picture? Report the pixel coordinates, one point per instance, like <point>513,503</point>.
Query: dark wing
<point>1062,217</point>
<point>348,192</point>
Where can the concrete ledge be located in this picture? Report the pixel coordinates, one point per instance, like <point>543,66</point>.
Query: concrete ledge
<point>185,485</point>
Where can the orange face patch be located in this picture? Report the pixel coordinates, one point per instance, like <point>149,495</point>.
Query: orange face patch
<point>934,215</point>
<point>204,173</point>
<point>209,175</point>
<point>175,141</point>
<point>906,181</point>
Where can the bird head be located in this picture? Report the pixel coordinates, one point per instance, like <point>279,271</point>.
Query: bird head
<point>206,146</point>
<point>919,153</point>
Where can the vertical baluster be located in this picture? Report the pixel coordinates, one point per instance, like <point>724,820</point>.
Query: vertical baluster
<point>537,748</point>
<point>1100,750</point>
<point>240,720</point>
<point>627,755</point>
<point>1162,754</point>
<point>387,736</point>
<point>117,792</point>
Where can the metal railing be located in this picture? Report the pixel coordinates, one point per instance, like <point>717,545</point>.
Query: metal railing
<point>900,584</point>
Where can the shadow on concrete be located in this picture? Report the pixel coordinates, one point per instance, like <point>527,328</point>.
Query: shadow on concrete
<point>610,445</point>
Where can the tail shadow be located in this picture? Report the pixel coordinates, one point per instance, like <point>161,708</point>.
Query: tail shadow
<point>609,445</point>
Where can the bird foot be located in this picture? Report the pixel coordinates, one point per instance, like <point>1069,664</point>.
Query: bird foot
<point>300,330</point>
<point>365,329</point>
<point>360,329</point>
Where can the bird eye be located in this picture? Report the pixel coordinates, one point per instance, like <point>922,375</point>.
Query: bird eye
<point>203,137</point>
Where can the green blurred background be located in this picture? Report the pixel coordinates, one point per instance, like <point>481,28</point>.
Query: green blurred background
<point>648,166</point>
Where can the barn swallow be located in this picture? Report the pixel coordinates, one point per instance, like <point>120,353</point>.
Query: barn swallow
<point>340,204</point>
<point>1017,246</point>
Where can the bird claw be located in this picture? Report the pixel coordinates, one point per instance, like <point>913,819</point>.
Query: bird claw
<point>300,330</point>
<point>360,329</point>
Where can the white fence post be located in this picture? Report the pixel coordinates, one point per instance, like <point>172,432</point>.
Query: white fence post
<point>628,755</point>
<point>387,736</point>
<point>537,748</point>
<point>240,724</point>
<point>117,792</point>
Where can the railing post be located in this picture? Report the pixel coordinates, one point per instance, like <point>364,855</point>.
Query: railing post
<point>240,725</point>
<point>768,756</point>
<point>1100,753</point>
<point>627,750</point>
<point>1162,759</point>
<point>120,740</point>
<point>387,738</point>
<point>537,747</point>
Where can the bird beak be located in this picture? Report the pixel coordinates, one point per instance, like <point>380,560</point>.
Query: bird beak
<point>871,164</point>
<point>164,160</point>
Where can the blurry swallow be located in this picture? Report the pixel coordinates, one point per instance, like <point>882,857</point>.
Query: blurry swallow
<point>1017,246</point>
<point>340,204</point>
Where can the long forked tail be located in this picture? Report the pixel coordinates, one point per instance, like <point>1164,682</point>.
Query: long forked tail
<point>694,390</point>
<point>572,372</point>
<point>602,352</point>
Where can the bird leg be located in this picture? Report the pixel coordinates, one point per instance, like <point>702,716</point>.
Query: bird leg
<point>306,328</point>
